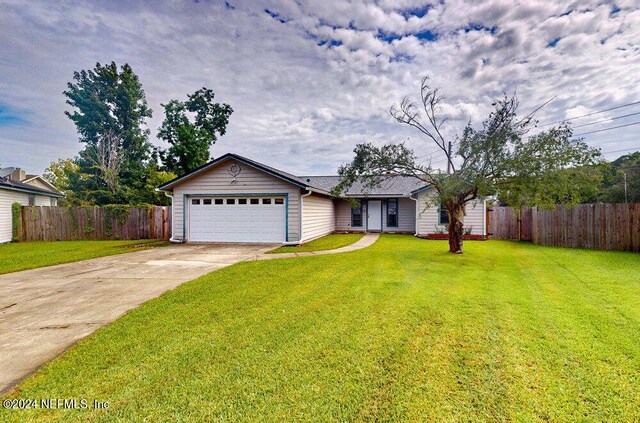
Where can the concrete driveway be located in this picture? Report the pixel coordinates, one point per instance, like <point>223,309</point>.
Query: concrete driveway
<point>44,311</point>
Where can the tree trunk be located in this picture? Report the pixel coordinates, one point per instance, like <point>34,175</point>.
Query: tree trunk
<point>456,229</point>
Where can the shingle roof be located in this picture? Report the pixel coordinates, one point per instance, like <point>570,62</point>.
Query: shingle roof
<point>398,186</point>
<point>273,169</point>
<point>19,186</point>
<point>389,186</point>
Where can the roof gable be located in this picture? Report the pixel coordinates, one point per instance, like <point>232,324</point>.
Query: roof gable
<point>39,182</point>
<point>11,185</point>
<point>287,177</point>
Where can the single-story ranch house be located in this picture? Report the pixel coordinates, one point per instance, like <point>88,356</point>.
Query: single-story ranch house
<point>236,199</point>
<point>29,190</point>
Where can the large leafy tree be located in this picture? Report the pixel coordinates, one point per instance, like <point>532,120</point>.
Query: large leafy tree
<point>497,159</point>
<point>191,138</point>
<point>622,180</point>
<point>109,111</point>
<point>66,176</point>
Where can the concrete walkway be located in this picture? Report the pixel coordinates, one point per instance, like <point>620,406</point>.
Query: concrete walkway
<point>367,240</point>
<point>44,311</point>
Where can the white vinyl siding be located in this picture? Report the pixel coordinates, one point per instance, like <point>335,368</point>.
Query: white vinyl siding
<point>406,216</point>
<point>428,216</point>
<point>41,200</point>
<point>474,218</point>
<point>319,217</point>
<point>343,216</point>
<point>249,181</point>
<point>7,198</point>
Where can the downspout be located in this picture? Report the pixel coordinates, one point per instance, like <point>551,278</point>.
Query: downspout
<point>416,200</point>
<point>484,218</point>
<point>172,239</point>
<point>302,215</point>
<point>301,221</point>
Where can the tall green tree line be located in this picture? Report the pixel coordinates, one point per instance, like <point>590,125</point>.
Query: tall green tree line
<point>117,163</point>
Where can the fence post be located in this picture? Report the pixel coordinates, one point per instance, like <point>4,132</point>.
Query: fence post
<point>162,222</point>
<point>534,225</point>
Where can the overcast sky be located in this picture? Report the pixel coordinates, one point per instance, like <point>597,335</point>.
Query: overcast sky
<point>308,80</point>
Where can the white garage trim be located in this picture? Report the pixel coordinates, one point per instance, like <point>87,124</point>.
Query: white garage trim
<point>186,197</point>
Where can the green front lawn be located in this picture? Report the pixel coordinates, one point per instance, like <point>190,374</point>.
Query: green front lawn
<point>18,256</point>
<point>328,242</point>
<point>401,330</point>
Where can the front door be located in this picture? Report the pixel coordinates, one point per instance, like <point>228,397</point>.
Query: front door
<point>374,215</point>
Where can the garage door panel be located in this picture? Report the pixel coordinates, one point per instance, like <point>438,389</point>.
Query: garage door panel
<point>237,222</point>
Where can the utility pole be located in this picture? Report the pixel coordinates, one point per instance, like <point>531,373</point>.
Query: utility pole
<point>449,159</point>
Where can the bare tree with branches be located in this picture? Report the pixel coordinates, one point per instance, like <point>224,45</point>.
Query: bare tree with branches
<point>107,157</point>
<point>497,159</point>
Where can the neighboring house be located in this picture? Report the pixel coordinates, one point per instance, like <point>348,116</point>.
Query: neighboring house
<point>18,187</point>
<point>236,199</point>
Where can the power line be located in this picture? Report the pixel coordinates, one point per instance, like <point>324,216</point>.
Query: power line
<point>604,152</point>
<point>620,151</point>
<point>592,113</point>
<point>607,129</point>
<point>442,154</point>
<point>606,120</point>
<point>431,155</point>
<point>438,151</point>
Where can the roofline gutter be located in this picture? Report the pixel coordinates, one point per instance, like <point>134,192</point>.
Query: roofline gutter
<point>419,190</point>
<point>373,196</point>
<point>28,191</point>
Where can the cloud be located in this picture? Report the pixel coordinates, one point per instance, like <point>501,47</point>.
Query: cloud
<point>309,80</point>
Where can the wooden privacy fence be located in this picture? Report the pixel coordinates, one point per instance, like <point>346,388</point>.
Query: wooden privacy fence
<point>97,223</point>
<point>505,224</point>
<point>597,226</point>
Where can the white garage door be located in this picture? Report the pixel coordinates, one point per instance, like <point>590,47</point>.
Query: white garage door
<point>237,219</point>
